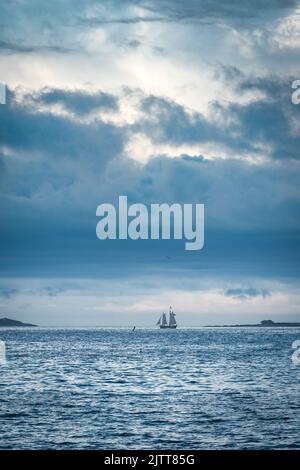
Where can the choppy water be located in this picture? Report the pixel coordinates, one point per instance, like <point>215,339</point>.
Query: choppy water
<point>118,389</point>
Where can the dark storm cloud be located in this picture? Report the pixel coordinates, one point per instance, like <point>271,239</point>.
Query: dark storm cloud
<point>15,48</point>
<point>167,122</point>
<point>132,43</point>
<point>53,291</point>
<point>24,129</point>
<point>191,10</point>
<point>267,121</point>
<point>77,101</point>
<point>55,171</point>
<point>57,25</point>
<point>271,119</point>
<point>7,292</point>
<point>126,21</point>
<point>247,293</point>
<point>94,148</point>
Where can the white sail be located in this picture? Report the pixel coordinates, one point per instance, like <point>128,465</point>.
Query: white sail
<point>164,319</point>
<point>172,320</point>
<point>163,322</point>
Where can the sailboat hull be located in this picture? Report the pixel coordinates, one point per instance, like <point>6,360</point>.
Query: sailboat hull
<point>168,327</point>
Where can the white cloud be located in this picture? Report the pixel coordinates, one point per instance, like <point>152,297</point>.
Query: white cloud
<point>87,302</point>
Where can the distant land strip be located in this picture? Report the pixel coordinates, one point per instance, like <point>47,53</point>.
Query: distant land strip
<point>263,323</point>
<point>4,322</point>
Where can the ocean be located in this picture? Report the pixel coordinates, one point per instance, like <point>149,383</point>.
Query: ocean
<point>205,388</point>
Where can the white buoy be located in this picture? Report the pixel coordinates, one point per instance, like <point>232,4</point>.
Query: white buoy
<point>2,353</point>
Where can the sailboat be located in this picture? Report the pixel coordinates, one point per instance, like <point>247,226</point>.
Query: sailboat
<point>163,322</point>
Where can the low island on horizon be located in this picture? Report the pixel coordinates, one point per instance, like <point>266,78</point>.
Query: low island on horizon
<point>8,322</point>
<point>263,323</point>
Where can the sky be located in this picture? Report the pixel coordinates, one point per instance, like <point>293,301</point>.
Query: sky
<point>165,102</point>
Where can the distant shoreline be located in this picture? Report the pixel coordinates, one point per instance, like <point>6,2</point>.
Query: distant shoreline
<point>10,323</point>
<point>7,322</point>
<point>263,324</point>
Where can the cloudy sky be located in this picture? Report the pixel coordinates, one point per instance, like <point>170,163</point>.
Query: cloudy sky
<point>165,101</point>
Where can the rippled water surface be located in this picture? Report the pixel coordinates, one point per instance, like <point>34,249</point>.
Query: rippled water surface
<point>117,389</point>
